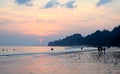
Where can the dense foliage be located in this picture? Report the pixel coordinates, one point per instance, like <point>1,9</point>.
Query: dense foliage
<point>99,38</point>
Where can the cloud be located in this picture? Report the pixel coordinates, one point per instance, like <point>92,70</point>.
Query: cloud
<point>102,2</point>
<point>51,4</point>
<point>69,4</point>
<point>24,2</point>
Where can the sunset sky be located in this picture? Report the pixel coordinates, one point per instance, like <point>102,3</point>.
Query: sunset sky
<point>36,22</point>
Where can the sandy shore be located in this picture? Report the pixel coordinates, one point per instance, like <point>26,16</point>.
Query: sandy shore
<point>66,63</point>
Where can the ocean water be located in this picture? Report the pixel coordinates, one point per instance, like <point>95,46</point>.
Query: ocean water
<point>33,50</point>
<point>62,60</point>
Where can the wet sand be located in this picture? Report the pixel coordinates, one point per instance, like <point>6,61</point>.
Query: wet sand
<point>66,63</point>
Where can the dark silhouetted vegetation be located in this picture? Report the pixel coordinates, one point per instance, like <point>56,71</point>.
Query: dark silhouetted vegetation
<point>99,38</point>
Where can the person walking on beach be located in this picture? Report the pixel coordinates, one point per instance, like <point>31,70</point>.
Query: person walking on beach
<point>99,49</point>
<point>104,49</point>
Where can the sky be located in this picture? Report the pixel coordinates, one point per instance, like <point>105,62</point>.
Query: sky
<point>36,22</point>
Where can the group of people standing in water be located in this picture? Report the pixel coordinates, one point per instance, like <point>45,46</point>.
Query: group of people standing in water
<point>101,49</point>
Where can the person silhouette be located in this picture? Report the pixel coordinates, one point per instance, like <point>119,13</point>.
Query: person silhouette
<point>81,48</point>
<point>104,49</point>
<point>13,49</point>
<point>52,49</point>
<point>99,49</point>
<point>3,50</point>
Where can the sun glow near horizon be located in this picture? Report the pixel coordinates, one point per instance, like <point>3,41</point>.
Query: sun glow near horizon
<point>58,17</point>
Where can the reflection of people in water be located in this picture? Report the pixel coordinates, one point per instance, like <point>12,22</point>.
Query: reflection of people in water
<point>51,49</point>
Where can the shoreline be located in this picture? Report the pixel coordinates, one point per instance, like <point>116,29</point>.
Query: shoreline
<point>64,63</point>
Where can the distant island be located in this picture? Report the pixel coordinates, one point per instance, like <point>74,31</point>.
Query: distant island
<point>98,38</point>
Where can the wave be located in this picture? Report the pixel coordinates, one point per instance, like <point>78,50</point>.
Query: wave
<point>24,54</point>
<point>48,53</point>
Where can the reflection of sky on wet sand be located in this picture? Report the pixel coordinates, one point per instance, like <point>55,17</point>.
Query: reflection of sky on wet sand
<point>71,63</point>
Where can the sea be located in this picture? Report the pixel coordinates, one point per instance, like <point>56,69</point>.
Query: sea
<point>60,60</point>
<point>33,50</point>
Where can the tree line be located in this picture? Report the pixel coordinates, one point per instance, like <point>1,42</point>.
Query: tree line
<point>98,38</point>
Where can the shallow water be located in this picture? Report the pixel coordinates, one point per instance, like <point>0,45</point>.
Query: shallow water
<point>45,61</point>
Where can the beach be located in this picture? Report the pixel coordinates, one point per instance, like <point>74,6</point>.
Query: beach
<point>77,62</point>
